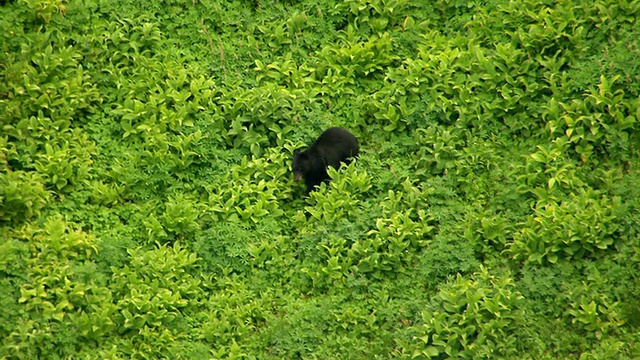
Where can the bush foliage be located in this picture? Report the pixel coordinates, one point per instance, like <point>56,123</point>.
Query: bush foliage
<point>148,210</point>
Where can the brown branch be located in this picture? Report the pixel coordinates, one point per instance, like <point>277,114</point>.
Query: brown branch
<point>212,46</point>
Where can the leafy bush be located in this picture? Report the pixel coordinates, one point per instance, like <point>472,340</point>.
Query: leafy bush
<point>53,291</point>
<point>494,135</point>
<point>470,318</point>
<point>164,270</point>
<point>22,195</point>
<point>571,229</point>
<point>233,313</point>
<point>247,198</point>
<point>601,122</point>
<point>45,9</point>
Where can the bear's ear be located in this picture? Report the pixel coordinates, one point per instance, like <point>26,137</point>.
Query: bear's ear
<point>300,154</point>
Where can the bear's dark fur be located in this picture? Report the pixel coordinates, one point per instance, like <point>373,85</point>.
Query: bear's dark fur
<point>334,145</point>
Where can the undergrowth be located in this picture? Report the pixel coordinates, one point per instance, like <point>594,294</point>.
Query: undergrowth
<point>148,210</point>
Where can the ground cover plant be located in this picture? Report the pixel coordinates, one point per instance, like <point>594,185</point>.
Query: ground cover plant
<point>148,208</point>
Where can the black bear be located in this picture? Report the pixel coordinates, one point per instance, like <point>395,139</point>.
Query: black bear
<point>334,145</point>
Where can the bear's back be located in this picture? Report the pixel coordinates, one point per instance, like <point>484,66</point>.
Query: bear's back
<point>339,141</point>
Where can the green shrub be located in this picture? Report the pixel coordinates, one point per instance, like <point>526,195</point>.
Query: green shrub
<point>573,229</point>
<point>470,318</point>
<point>593,312</point>
<point>22,195</point>
<point>388,249</point>
<point>254,189</point>
<point>339,198</point>
<point>152,291</point>
<point>67,166</point>
<point>45,9</point>
<point>494,135</point>
<point>232,314</point>
<point>53,291</point>
<point>601,122</point>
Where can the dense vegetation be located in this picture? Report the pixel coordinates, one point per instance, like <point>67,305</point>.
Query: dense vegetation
<point>148,210</point>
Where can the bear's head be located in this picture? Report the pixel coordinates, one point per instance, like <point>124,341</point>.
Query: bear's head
<point>300,164</point>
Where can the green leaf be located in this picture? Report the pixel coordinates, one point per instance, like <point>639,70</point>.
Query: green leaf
<point>538,157</point>
<point>431,351</point>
